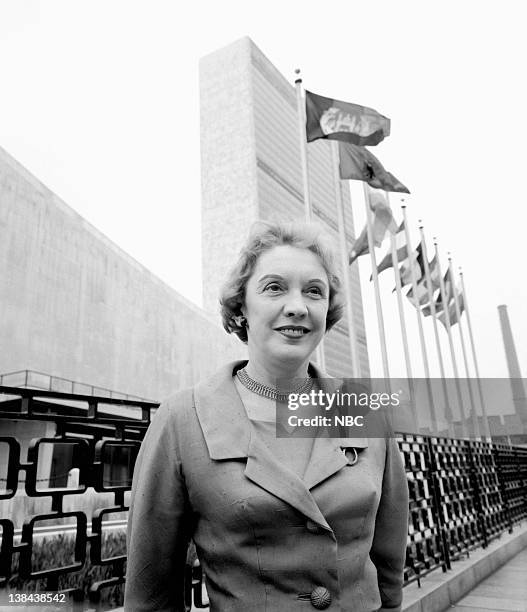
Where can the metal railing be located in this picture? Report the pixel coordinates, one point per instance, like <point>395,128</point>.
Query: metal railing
<point>463,493</point>
<point>40,380</point>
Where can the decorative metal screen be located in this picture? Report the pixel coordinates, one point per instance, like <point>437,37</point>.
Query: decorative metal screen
<point>92,448</point>
<point>424,551</point>
<point>452,468</point>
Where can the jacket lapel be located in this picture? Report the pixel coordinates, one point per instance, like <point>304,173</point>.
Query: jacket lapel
<point>264,470</point>
<point>327,456</point>
<point>222,416</point>
<point>227,432</point>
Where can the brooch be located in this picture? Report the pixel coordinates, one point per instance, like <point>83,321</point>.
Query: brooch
<point>351,461</point>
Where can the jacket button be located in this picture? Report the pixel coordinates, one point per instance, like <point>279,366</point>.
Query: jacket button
<point>313,527</point>
<point>320,598</point>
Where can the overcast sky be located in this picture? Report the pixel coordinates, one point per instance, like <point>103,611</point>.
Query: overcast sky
<point>99,100</point>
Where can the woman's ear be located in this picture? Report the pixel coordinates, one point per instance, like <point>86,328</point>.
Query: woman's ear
<point>240,320</point>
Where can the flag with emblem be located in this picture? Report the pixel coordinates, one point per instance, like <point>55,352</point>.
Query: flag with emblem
<point>359,164</point>
<point>337,120</point>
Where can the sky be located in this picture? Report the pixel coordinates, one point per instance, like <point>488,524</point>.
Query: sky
<point>100,101</point>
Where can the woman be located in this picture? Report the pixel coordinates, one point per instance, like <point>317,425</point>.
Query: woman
<point>279,523</point>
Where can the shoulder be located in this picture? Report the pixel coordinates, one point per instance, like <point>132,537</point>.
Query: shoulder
<point>174,428</point>
<point>182,400</point>
<point>177,410</point>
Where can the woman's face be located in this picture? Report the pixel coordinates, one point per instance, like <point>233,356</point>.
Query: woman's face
<point>286,303</point>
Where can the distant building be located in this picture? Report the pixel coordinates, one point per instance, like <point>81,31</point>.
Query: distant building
<point>250,164</point>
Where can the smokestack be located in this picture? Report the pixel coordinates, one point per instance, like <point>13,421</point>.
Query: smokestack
<point>518,390</point>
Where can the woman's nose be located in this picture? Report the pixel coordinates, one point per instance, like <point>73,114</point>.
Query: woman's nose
<point>295,306</point>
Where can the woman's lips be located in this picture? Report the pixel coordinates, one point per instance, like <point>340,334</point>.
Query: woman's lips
<point>293,332</point>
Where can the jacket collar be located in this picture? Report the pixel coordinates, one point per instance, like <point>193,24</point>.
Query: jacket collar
<point>228,435</point>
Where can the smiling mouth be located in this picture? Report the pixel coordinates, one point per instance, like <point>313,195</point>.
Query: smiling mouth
<point>293,332</point>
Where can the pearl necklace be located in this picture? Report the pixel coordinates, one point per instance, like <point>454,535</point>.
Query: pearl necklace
<point>270,392</point>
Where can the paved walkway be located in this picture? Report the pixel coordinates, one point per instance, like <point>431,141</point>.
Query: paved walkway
<point>505,589</point>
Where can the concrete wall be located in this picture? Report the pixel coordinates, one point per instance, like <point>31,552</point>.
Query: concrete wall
<point>72,304</point>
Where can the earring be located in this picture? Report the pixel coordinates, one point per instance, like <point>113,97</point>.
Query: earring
<point>240,320</point>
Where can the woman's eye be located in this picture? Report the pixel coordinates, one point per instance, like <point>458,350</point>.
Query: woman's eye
<point>315,291</point>
<point>273,287</point>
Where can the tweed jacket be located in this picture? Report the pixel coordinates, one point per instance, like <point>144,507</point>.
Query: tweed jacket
<point>268,540</point>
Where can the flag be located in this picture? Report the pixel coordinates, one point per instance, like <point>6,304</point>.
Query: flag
<point>400,248</point>
<point>452,313</point>
<point>427,311</point>
<point>449,290</point>
<point>422,294</point>
<point>433,268</point>
<point>336,120</point>
<point>360,246</point>
<point>382,221</point>
<point>415,261</point>
<point>358,163</point>
<point>383,218</point>
<point>422,287</point>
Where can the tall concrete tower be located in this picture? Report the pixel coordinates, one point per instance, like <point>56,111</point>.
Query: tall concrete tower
<point>251,169</point>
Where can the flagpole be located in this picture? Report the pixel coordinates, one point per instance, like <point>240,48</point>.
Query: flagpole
<point>431,301</point>
<point>346,271</point>
<point>303,144</point>
<point>419,322</point>
<point>475,423</point>
<point>319,351</point>
<point>380,318</point>
<point>450,342</point>
<point>486,426</point>
<point>395,264</point>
